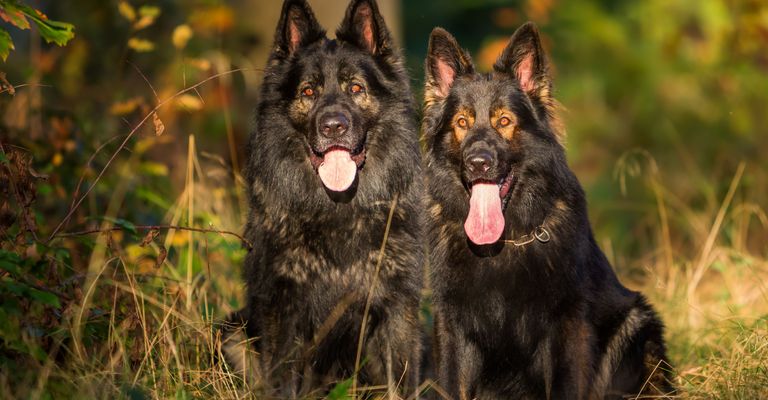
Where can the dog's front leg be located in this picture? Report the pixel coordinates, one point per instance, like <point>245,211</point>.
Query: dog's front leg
<point>279,352</point>
<point>458,361</point>
<point>403,362</point>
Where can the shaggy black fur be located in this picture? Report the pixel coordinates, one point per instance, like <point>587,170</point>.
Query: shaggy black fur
<point>540,318</point>
<point>316,251</point>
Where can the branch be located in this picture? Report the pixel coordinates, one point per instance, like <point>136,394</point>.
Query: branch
<point>247,243</point>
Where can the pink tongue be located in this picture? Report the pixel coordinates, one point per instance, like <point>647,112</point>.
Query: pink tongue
<point>485,222</point>
<point>337,170</point>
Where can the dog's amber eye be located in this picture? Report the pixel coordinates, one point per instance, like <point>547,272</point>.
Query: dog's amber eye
<point>308,92</point>
<point>504,122</point>
<point>462,123</point>
<point>356,88</point>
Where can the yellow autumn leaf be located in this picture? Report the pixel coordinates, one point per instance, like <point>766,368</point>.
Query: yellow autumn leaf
<point>57,159</point>
<point>149,11</point>
<point>126,106</point>
<point>144,22</point>
<point>135,252</point>
<point>145,144</point>
<point>189,102</point>
<point>181,36</point>
<point>219,18</point>
<point>126,10</point>
<point>153,168</point>
<point>117,236</point>
<point>179,239</point>
<point>200,63</point>
<point>141,45</point>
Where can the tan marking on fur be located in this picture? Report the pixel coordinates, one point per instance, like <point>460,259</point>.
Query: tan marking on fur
<point>432,94</point>
<point>300,106</point>
<point>436,210</point>
<point>507,132</point>
<point>615,350</point>
<point>552,107</point>
<point>459,132</point>
<point>364,100</point>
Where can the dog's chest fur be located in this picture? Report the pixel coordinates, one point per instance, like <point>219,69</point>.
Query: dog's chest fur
<point>337,250</point>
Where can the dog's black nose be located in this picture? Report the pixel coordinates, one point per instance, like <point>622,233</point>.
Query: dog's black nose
<point>333,125</point>
<point>479,162</point>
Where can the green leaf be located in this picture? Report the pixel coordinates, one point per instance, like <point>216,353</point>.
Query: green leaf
<point>14,287</point>
<point>341,390</point>
<point>14,15</point>
<point>153,168</point>
<point>6,45</point>
<point>52,31</point>
<point>153,198</point>
<point>44,297</point>
<point>44,189</point>
<point>10,261</point>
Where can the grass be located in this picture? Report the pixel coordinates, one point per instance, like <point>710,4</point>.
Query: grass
<point>139,314</point>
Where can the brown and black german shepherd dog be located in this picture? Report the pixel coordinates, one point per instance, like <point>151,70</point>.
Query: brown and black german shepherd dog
<point>334,177</point>
<point>526,304</point>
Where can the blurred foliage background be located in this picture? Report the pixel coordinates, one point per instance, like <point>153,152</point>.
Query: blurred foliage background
<point>141,120</point>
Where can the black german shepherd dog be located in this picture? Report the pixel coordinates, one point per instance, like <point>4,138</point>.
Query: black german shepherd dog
<point>335,208</point>
<point>526,304</point>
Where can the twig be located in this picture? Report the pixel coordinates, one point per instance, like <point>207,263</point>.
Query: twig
<point>125,141</point>
<point>12,89</point>
<point>145,79</point>
<point>156,227</point>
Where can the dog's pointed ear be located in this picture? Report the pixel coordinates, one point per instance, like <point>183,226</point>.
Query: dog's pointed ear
<point>446,61</point>
<point>364,27</point>
<point>297,27</point>
<point>525,60</point>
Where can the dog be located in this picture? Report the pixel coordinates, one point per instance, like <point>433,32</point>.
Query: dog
<point>335,189</point>
<point>526,305</point>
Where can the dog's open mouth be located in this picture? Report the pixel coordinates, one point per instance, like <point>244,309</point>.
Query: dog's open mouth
<point>337,166</point>
<point>485,221</point>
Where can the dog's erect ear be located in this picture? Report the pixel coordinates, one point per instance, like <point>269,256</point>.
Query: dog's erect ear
<point>524,58</point>
<point>297,27</point>
<point>446,61</point>
<point>364,27</point>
